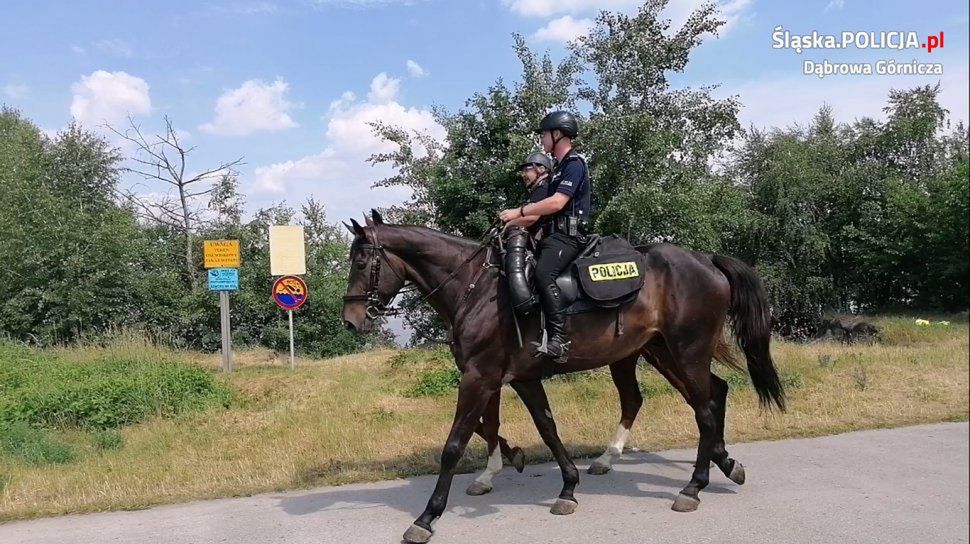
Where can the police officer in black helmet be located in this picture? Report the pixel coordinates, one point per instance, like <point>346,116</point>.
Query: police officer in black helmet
<point>564,219</point>
<point>535,171</point>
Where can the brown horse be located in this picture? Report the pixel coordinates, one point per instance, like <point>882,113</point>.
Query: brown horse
<point>676,324</point>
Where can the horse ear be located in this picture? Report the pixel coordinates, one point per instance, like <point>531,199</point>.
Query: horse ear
<point>367,221</point>
<point>358,230</point>
<point>351,229</point>
<point>377,216</point>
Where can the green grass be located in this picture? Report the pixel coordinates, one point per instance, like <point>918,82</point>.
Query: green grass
<point>108,440</point>
<point>107,390</point>
<point>33,446</point>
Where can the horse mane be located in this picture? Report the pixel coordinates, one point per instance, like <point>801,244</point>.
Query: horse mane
<point>465,243</point>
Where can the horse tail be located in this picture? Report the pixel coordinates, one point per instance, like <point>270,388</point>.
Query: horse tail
<point>751,323</point>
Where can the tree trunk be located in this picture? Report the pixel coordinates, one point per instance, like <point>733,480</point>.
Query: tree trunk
<point>187,227</point>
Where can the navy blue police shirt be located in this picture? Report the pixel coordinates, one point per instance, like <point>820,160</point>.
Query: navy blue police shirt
<point>539,190</point>
<point>571,178</point>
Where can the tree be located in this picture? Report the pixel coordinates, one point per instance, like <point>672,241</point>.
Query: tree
<point>162,158</point>
<point>67,248</point>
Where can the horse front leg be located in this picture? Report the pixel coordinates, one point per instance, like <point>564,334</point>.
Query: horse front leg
<point>534,396</point>
<point>474,393</point>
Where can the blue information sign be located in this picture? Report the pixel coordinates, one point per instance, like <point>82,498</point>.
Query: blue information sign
<point>223,279</point>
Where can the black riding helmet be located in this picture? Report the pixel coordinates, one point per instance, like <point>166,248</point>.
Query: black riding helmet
<point>562,120</point>
<point>537,158</point>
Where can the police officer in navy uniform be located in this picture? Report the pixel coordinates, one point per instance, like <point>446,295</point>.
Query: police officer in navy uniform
<point>565,214</point>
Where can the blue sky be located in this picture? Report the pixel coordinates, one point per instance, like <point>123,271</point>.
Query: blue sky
<point>289,85</point>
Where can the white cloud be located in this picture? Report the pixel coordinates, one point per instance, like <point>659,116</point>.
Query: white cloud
<point>340,175</point>
<point>546,8</point>
<point>246,8</point>
<point>321,4</point>
<point>782,101</point>
<point>676,10</point>
<point>732,12</point>
<point>383,88</point>
<point>415,69</point>
<point>275,178</point>
<point>115,47</point>
<point>348,122</point>
<point>109,97</point>
<point>834,4</point>
<point>77,50</point>
<point>563,29</point>
<point>15,90</point>
<point>253,107</point>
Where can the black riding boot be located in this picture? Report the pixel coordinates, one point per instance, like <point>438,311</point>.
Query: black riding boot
<point>557,344</point>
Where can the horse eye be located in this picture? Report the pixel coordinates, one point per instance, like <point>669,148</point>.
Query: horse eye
<point>361,265</point>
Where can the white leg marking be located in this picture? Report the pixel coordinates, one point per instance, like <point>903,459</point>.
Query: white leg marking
<point>615,448</point>
<point>493,467</point>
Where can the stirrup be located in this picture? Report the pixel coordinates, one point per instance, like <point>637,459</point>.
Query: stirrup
<point>542,350</point>
<point>542,346</point>
<point>563,353</point>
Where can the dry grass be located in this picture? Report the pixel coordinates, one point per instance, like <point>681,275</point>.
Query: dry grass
<point>344,420</point>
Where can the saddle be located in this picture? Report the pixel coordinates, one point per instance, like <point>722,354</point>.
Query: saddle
<point>607,274</point>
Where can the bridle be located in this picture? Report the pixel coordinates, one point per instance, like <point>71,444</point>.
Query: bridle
<point>375,308</point>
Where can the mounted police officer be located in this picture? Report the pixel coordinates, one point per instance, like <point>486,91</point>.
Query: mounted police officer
<point>535,171</point>
<point>565,212</point>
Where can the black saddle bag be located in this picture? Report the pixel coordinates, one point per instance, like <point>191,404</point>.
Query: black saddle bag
<point>612,270</point>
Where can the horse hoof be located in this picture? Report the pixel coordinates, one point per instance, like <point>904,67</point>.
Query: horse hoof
<point>564,507</point>
<point>737,474</point>
<point>598,469</point>
<point>685,503</point>
<point>518,459</point>
<point>417,535</point>
<point>477,488</point>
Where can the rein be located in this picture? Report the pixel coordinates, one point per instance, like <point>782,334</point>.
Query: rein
<point>375,308</point>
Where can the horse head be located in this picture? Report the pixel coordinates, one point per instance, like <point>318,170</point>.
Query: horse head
<point>376,276</point>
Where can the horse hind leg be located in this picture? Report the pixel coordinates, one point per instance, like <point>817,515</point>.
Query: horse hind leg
<point>497,448</point>
<point>688,369</point>
<point>624,373</point>
<point>730,467</point>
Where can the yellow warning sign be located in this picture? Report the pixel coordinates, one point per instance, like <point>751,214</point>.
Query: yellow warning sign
<point>221,253</point>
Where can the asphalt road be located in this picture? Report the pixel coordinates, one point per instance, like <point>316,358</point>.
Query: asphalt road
<point>902,485</point>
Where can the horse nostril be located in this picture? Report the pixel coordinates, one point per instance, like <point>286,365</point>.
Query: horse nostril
<point>350,326</point>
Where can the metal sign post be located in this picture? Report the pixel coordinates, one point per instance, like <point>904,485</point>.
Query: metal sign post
<point>292,356</point>
<point>226,334</point>
<point>289,293</point>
